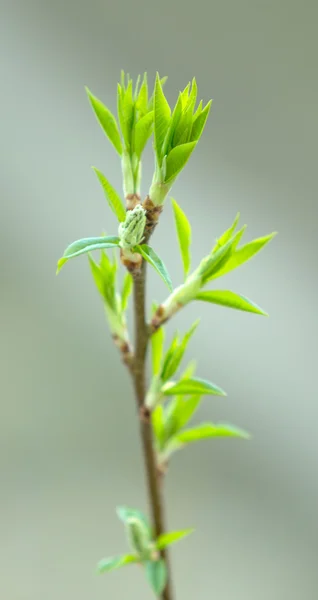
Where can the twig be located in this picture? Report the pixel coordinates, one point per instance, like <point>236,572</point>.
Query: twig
<point>139,377</point>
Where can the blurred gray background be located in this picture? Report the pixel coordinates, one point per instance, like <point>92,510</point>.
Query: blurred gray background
<point>69,439</point>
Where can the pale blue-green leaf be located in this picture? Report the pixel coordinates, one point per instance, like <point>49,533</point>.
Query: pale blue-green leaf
<point>143,130</point>
<point>126,291</point>
<point>107,121</point>
<point>183,228</point>
<point>199,123</point>
<point>193,385</point>
<point>177,159</point>
<point>162,116</point>
<point>112,197</point>
<point>115,562</point>
<point>153,259</point>
<point>156,573</point>
<point>166,539</point>
<point>86,245</point>
<point>157,342</point>
<point>209,430</point>
<point>231,300</point>
<point>125,513</point>
<point>226,236</point>
<point>243,254</point>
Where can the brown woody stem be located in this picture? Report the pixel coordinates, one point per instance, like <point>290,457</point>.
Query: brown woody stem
<point>154,480</point>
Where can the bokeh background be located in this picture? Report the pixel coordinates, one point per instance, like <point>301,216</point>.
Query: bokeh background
<point>69,439</point>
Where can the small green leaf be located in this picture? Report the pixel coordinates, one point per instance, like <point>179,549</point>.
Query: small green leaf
<point>226,236</point>
<point>86,245</point>
<point>189,370</point>
<point>199,123</point>
<point>125,107</point>
<point>126,291</point>
<point>104,276</point>
<point>193,385</point>
<point>107,121</point>
<point>115,562</point>
<point>177,159</point>
<point>166,539</point>
<point>143,130</point>
<point>153,259</point>
<point>187,409</point>
<point>215,262</point>
<point>176,352</point>
<point>142,99</point>
<point>157,419</point>
<point>156,573</point>
<point>112,197</point>
<point>244,254</point>
<point>183,228</point>
<point>162,116</point>
<point>231,300</point>
<point>157,342</point>
<point>209,430</point>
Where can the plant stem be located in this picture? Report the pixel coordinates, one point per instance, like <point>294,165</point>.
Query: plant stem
<point>139,377</point>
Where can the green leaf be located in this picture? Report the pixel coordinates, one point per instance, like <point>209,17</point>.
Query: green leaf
<point>125,513</point>
<point>166,539</point>
<point>187,409</point>
<point>244,254</point>
<point>193,385</point>
<point>183,228</point>
<point>177,159</point>
<point>112,197</point>
<point>86,245</point>
<point>226,236</point>
<point>174,122</point>
<point>215,262</point>
<point>142,99</point>
<point>115,562</point>
<point>157,342</point>
<point>156,573</point>
<point>209,430</point>
<point>143,130</point>
<point>176,352</point>
<point>105,278</point>
<point>107,121</point>
<point>189,370</point>
<point>199,123</point>
<point>231,300</point>
<point>126,291</point>
<point>162,116</point>
<point>153,259</point>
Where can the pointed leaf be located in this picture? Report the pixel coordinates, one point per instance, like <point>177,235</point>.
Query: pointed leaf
<point>226,236</point>
<point>105,277</point>
<point>156,573</point>
<point>208,430</point>
<point>157,420</point>
<point>194,385</point>
<point>199,123</point>
<point>176,352</point>
<point>153,259</point>
<point>142,99</point>
<point>162,116</point>
<point>115,562</point>
<point>215,262</point>
<point>187,409</point>
<point>166,539</point>
<point>244,254</point>
<point>126,291</point>
<point>177,159</point>
<point>157,342</point>
<point>86,245</point>
<point>112,197</point>
<point>183,228</point>
<point>231,300</point>
<point>107,121</point>
<point>143,130</point>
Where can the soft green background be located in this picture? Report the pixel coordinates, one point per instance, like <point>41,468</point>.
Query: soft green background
<point>69,445</point>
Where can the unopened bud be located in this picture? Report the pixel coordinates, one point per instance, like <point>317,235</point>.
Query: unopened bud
<point>131,231</point>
